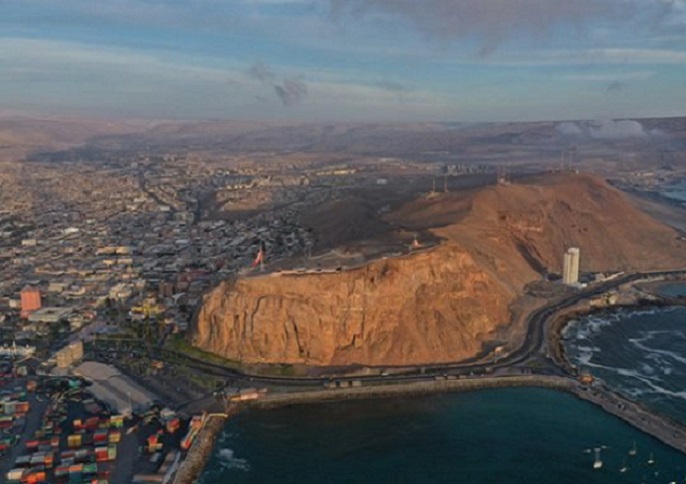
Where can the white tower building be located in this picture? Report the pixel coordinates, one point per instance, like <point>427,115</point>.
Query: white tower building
<point>570,267</point>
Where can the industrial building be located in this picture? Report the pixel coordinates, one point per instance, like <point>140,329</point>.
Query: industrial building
<point>119,392</point>
<point>49,315</point>
<point>570,267</point>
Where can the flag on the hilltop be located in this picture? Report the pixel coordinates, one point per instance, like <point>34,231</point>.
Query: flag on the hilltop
<point>260,257</point>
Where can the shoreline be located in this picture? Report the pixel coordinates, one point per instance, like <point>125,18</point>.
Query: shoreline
<point>636,414</point>
<point>662,428</point>
<point>559,322</point>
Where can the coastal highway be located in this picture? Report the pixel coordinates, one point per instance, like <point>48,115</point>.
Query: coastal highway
<point>533,344</point>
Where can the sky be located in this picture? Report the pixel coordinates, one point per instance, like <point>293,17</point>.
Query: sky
<point>344,60</point>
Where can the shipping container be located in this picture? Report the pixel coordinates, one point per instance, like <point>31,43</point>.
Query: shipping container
<point>100,436</point>
<point>173,425</point>
<point>74,441</point>
<point>92,423</point>
<point>15,474</point>
<point>117,421</point>
<point>114,437</point>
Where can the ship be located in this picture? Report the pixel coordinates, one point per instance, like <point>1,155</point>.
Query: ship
<point>597,463</point>
<point>624,467</point>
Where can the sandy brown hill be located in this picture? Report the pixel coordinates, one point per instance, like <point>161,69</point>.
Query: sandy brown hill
<point>22,135</point>
<point>438,305</point>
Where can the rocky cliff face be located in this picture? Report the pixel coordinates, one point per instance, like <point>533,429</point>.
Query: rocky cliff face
<point>433,306</point>
<point>439,305</point>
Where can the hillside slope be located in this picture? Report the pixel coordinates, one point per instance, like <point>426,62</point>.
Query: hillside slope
<point>442,304</point>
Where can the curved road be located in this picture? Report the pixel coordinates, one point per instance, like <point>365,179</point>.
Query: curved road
<point>533,343</point>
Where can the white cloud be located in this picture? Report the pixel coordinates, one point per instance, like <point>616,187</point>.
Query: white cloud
<point>608,76</point>
<point>605,129</point>
<point>149,84</point>
<point>611,129</point>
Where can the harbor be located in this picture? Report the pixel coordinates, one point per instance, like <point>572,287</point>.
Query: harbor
<point>584,387</point>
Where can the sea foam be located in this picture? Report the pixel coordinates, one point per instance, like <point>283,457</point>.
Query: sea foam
<point>230,461</point>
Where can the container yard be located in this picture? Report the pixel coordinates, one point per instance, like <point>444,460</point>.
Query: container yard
<point>52,430</point>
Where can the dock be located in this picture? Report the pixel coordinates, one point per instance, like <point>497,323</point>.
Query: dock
<point>191,467</point>
<point>664,429</point>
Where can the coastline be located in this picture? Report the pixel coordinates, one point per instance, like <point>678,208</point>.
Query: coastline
<point>660,427</point>
<point>563,318</point>
<point>633,413</point>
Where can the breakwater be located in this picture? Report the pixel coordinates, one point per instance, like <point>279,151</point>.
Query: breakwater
<point>659,426</point>
<point>191,467</point>
<point>662,428</point>
<point>415,388</point>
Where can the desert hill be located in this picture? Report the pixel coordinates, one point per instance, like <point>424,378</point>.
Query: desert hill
<point>441,304</point>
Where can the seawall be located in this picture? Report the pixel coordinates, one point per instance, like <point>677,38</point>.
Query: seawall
<point>415,388</point>
<point>191,467</point>
<point>660,427</point>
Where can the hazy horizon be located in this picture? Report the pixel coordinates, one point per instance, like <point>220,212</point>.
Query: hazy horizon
<point>344,60</point>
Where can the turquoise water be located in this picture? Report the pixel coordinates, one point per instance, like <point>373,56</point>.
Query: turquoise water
<point>518,435</point>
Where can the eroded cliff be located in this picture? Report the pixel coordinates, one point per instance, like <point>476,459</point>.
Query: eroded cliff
<point>442,304</point>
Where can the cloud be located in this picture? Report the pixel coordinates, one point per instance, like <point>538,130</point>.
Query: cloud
<point>393,87</point>
<point>605,129</point>
<point>569,129</point>
<point>291,92</point>
<point>261,72</point>
<point>611,129</point>
<point>492,22</point>
<point>615,87</point>
<point>608,77</point>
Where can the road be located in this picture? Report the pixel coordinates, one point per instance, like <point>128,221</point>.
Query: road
<point>532,345</point>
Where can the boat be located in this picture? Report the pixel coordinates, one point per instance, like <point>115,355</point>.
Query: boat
<point>633,449</point>
<point>624,467</point>
<point>651,460</point>
<point>597,463</point>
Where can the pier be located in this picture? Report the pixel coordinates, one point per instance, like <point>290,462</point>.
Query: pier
<point>192,466</point>
<point>659,426</point>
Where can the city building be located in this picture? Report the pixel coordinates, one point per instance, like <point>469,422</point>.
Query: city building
<point>49,315</point>
<point>30,301</point>
<point>570,267</point>
<point>70,354</point>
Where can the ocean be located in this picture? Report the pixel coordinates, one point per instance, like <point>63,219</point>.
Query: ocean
<point>640,353</point>
<point>675,191</point>
<point>516,435</point>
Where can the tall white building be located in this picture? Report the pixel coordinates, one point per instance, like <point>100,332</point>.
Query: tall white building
<point>570,267</point>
